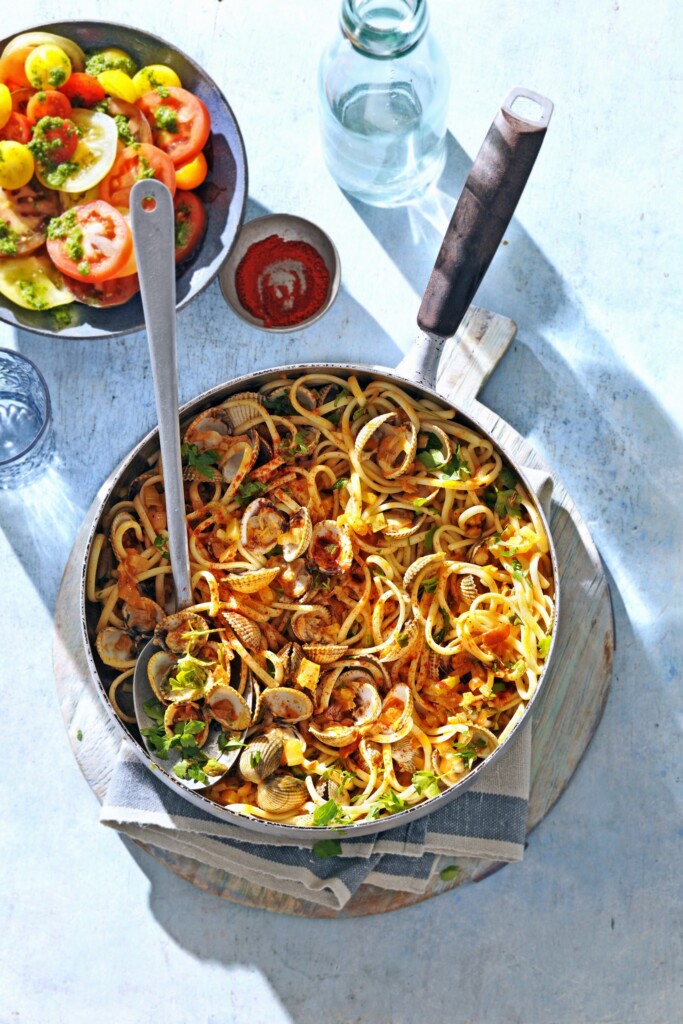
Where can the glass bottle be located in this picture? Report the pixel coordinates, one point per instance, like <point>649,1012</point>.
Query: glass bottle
<point>383,91</point>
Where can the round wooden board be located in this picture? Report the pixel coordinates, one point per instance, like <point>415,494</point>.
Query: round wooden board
<point>565,715</point>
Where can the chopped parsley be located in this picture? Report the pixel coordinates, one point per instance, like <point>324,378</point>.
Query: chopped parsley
<point>79,735</point>
<point>166,119</point>
<point>429,538</point>
<point>202,462</point>
<point>247,491</point>
<point>455,468</point>
<point>449,873</point>
<point>544,645</point>
<point>123,128</point>
<point>326,813</point>
<point>161,544</point>
<point>280,405</point>
<point>100,61</point>
<point>426,783</point>
<point>469,751</point>
<point>503,502</point>
<point>342,482</point>
<point>190,673</point>
<point>429,586</point>
<point>8,240</point>
<point>518,571</point>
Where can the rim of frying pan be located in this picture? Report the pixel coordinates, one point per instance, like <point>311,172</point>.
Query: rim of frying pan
<point>135,463</point>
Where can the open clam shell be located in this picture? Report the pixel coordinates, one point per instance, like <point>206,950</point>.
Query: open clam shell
<point>228,707</point>
<point>182,632</point>
<point>331,550</point>
<point>287,704</point>
<point>281,793</point>
<point>185,711</point>
<point>261,526</point>
<point>251,581</point>
<point>296,538</point>
<point>396,719</point>
<point>116,648</point>
<point>261,757</point>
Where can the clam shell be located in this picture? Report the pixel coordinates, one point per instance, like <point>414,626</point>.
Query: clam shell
<point>116,648</point>
<point>261,757</point>
<point>208,429</point>
<point>402,522</point>
<point>228,707</point>
<point>403,644</point>
<point>160,669</point>
<point>297,537</point>
<point>396,719</point>
<point>414,570</point>
<point>404,753</point>
<point>331,550</point>
<point>143,617</point>
<point>182,632</point>
<point>371,754</point>
<point>396,450</point>
<point>468,589</point>
<point>366,432</point>
<point>281,793</point>
<point>333,735</point>
<point>242,407</point>
<point>251,581</point>
<point>183,711</point>
<point>309,624</point>
<point>238,457</point>
<point>245,630</point>
<point>295,579</point>
<point>443,438</point>
<point>291,656</point>
<point>324,654</point>
<point>288,704</point>
<point>261,526</point>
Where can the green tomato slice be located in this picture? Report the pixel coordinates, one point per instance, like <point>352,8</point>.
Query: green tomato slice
<point>71,49</point>
<point>33,282</point>
<point>95,153</point>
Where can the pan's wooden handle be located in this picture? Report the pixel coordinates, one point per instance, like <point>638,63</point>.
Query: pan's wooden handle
<point>483,212</point>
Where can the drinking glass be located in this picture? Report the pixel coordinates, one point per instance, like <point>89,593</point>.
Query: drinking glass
<point>26,435</point>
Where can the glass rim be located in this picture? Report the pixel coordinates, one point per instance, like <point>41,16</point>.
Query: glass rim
<point>47,416</point>
<point>382,43</point>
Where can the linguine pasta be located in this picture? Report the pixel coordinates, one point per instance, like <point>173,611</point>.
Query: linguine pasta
<point>373,597</point>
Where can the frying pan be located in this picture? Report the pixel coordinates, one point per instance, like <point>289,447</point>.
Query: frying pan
<point>483,211</point>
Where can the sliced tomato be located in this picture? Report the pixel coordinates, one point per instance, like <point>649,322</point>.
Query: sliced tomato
<point>138,127</point>
<point>190,224</point>
<point>59,137</point>
<point>12,71</point>
<point>133,164</point>
<point>82,89</point>
<point>26,212</point>
<point>114,292</point>
<point>46,104</point>
<point>17,128</point>
<point>96,242</point>
<point>20,100</point>
<point>179,121</point>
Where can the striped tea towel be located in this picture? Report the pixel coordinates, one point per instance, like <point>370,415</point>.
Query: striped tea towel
<point>488,821</point>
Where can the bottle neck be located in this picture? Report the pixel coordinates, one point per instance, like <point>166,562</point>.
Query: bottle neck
<point>384,28</point>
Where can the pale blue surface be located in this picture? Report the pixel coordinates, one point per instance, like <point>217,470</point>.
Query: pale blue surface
<point>587,928</point>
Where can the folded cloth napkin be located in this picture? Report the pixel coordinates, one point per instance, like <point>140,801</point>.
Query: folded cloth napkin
<point>488,821</point>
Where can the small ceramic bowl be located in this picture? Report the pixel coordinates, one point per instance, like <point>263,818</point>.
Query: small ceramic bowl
<point>290,229</point>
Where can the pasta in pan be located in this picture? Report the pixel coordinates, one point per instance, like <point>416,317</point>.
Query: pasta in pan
<point>373,600</point>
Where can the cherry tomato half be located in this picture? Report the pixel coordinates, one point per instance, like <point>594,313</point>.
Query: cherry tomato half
<point>47,104</point>
<point>192,174</point>
<point>114,292</point>
<point>20,100</point>
<point>17,128</point>
<point>95,243</point>
<point>132,164</point>
<point>59,137</point>
<point>179,121</point>
<point>12,71</point>
<point>190,224</point>
<point>82,89</point>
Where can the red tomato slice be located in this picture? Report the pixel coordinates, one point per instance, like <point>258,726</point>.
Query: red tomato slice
<point>12,71</point>
<point>104,293</point>
<point>137,122</point>
<point>190,223</point>
<point>60,136</point>
<point>179,121</point>
<point>26,212</point>
<point>132,164</point>
<point>16,129</point>
<point>100,237</point>
<point>46,104</point>
<point>20,100</point>
<point>83,90</point>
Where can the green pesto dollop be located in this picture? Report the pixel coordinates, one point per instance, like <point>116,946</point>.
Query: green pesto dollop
<point>8,240</point>
<point>166,119</point>
<point>99,61</point>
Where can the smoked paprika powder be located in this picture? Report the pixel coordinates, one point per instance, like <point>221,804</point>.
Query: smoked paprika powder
<point>281,283</point>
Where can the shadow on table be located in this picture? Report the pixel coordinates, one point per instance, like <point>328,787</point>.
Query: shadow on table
<point>103,404</point>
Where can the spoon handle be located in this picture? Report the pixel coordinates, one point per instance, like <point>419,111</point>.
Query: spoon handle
<point>151,215</point>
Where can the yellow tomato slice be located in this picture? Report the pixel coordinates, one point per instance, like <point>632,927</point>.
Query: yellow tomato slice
<point>191,174</point>
<point>119,85</point>
<point>5,104</point>
<point>153,76</point>
<point>16,164</point>
<point>33,282</point>
<point>33,39</point>
<point>47,67</point>
<point>95,153</point>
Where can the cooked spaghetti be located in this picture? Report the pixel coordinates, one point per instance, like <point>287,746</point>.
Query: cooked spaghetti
<point>373,600</point>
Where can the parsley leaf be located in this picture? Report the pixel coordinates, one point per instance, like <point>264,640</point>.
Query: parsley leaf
<point>154,709</point>
<point>226,742</point>
<point>426,783</point>
<point>325,813</point>
<point>518,571</point>
<point>201,461</point>
<point>503,502</point>
<point>544,645</point>
<point>449,873</point>
<point>429,538</point>
<point>279,405</point>
<point>247,491</point>
<point>342,482</point>
<point>161,544</point>
<point>429,586</point>
<point>327,848</point>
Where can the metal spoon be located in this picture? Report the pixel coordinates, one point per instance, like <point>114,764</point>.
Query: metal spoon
<point>152,221</point>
